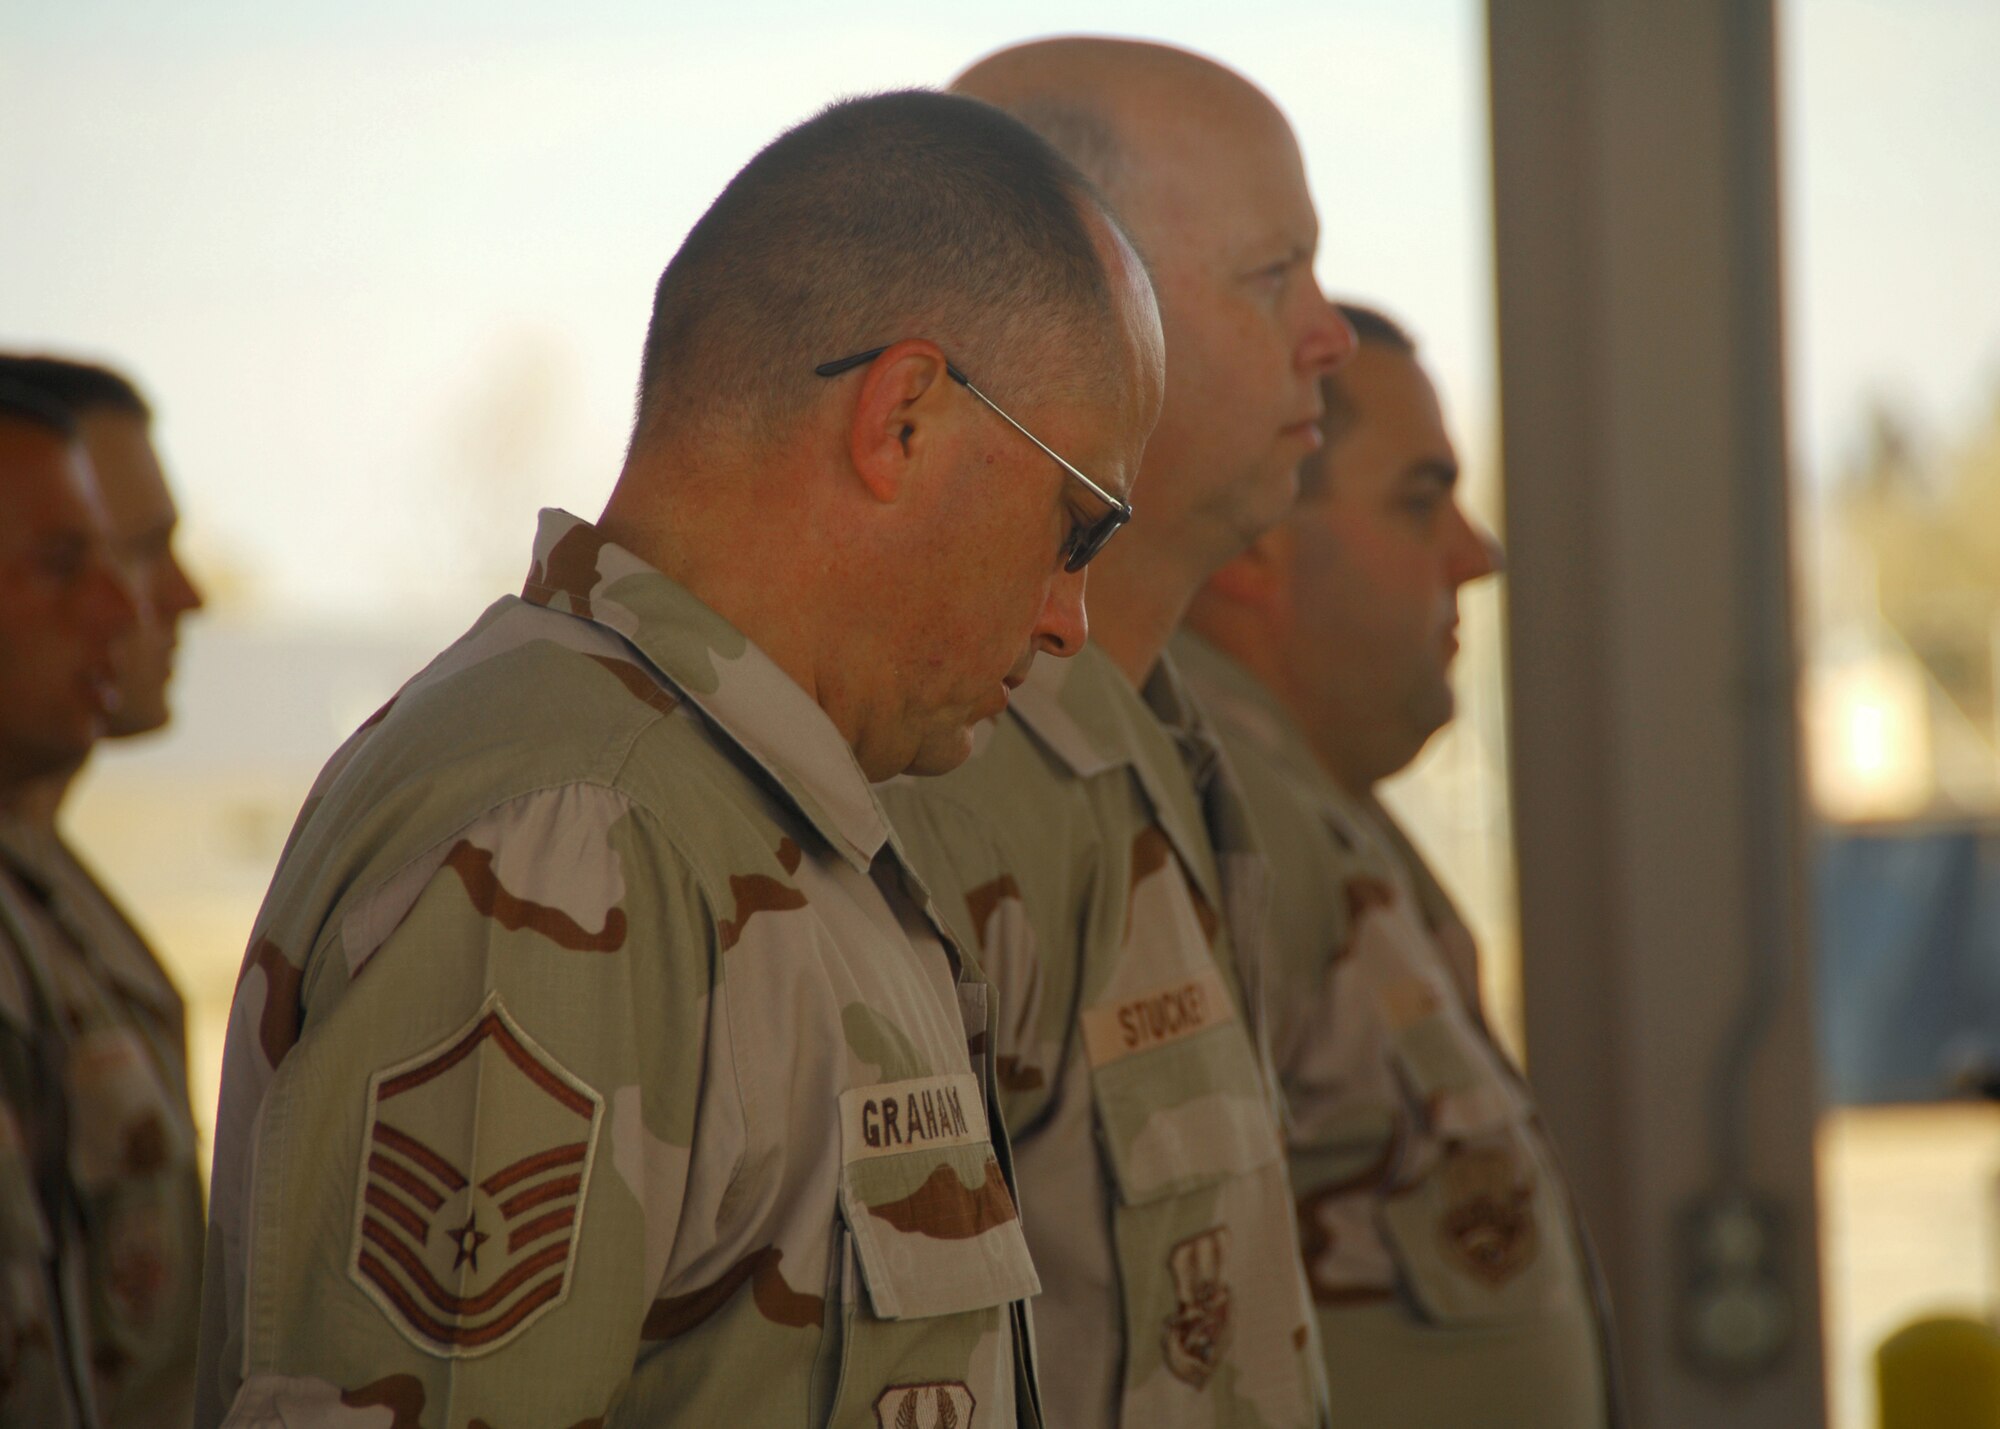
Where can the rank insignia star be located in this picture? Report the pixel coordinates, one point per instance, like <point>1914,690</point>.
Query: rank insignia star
<point>469,1238</point>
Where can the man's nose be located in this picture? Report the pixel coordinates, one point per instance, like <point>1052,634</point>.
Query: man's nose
<point>1064,624</point>
<point>1329,339</point>
<point>1476,553</point>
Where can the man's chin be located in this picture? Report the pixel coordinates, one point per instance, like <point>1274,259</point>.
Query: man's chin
<point>137,717</point>
<point>941,754</point>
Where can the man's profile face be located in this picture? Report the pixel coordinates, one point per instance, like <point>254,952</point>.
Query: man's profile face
<point>993,592</point>
<point>1229,227</point>
<point>142,518</point>
<point>62,605</point>
<point>1380,548</point>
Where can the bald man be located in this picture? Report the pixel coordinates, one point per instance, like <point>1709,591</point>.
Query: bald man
<point>1097,848</point>
<point>1452,1280</point>
<point>597,1058</point>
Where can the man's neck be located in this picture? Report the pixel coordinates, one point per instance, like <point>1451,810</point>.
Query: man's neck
<point>1138,593</point>
<point>35,802</point>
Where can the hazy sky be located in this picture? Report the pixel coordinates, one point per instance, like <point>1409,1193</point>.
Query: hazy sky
<point>384,264</point>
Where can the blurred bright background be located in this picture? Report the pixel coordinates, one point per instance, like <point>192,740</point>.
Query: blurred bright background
<point>384,271</point>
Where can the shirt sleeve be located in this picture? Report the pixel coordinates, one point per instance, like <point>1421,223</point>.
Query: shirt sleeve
<point>471,1168</point>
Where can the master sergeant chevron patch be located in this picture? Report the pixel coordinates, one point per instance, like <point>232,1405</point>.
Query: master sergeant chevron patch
<point>475,1165</point>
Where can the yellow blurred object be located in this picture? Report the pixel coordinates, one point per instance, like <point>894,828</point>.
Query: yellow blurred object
<point>1940,1372</point>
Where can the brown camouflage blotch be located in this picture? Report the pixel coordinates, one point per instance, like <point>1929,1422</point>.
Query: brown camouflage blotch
<point>278,1025</point>
<point>1365,894</point>
<point>779,1303</point>
<point>1150,852</point>
<point>145,1146</point>
<point>790,855</point>
<point>945,1208</point>
<point>572,568</point>
<point>640,685</point>
<point>1205,915</point>
<point>985,900</point>
<point>1299,1337</point>
<point>756,893</point>
<point>137,1277</point>
<point>1014,1077</point>
<point>474,866</point>
<point>776,1301</point>
<point>401,1394</point>
<point>1316,1239</point>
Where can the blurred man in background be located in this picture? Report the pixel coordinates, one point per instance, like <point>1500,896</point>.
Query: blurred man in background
<point>99,1204</point>
<point>597,1059</point>
<point>114,425</point>
<point>1451,1278</point>
<point>1096,848</point>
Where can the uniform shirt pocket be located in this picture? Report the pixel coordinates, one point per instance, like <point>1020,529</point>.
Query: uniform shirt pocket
<point>1179,1099</point>
<point>1470,1224</point>
<point>933,1221</point>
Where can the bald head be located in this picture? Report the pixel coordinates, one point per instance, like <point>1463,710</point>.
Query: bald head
<point>1109,105</point>
<point>1206,176</point>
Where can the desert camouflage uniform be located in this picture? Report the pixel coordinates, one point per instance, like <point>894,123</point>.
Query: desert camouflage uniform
<point>1453,1283</point>
<point>596,1061</point>
<point>100,1195</point>
<point>1118,918</point>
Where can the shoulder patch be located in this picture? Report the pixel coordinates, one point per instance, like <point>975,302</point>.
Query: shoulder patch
<point>475,1165</point>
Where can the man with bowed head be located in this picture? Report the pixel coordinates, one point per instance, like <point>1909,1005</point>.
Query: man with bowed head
<point>597,1058</point>
<point>1096,847</point>
<point>1451,1277</point>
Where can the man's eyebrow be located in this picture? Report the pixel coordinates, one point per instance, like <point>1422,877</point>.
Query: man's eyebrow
<point>1444,473</point>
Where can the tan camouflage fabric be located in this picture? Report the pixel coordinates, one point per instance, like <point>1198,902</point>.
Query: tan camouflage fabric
<point>1451,1277</point>
<point>100,1192</point>
<point>596,1061</point>
<point>1095,847</point>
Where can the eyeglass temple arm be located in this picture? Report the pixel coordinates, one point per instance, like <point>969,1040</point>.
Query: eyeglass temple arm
<point>848,364</point>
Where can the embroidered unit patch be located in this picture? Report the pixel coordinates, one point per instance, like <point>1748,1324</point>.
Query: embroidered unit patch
<point>1489,1220</point>
<point>475,1164</point>
<point>925,1406</point>
<point>1198,1332</point>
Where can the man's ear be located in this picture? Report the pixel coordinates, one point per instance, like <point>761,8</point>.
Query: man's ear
<point>1259,578</point>
<point>898,414</point>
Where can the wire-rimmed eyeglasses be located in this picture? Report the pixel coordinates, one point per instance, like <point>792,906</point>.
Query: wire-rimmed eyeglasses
<point>1086,538</point>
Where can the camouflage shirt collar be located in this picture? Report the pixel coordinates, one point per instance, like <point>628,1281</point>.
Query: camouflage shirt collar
<point>1241,703</point>
<point>1090,717</point>
<point>715,666</point>
<point>1244,705</point>
<point>77,903</point>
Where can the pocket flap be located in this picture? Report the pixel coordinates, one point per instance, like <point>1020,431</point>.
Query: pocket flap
<point>933,1220</point>
<point>1180,1103</point>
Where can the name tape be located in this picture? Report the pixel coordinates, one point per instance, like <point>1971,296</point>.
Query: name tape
<point>922,1114</point>
<point>1112,1030</point>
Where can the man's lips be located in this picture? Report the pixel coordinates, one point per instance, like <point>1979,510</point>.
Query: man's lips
<point>1307,430</point>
